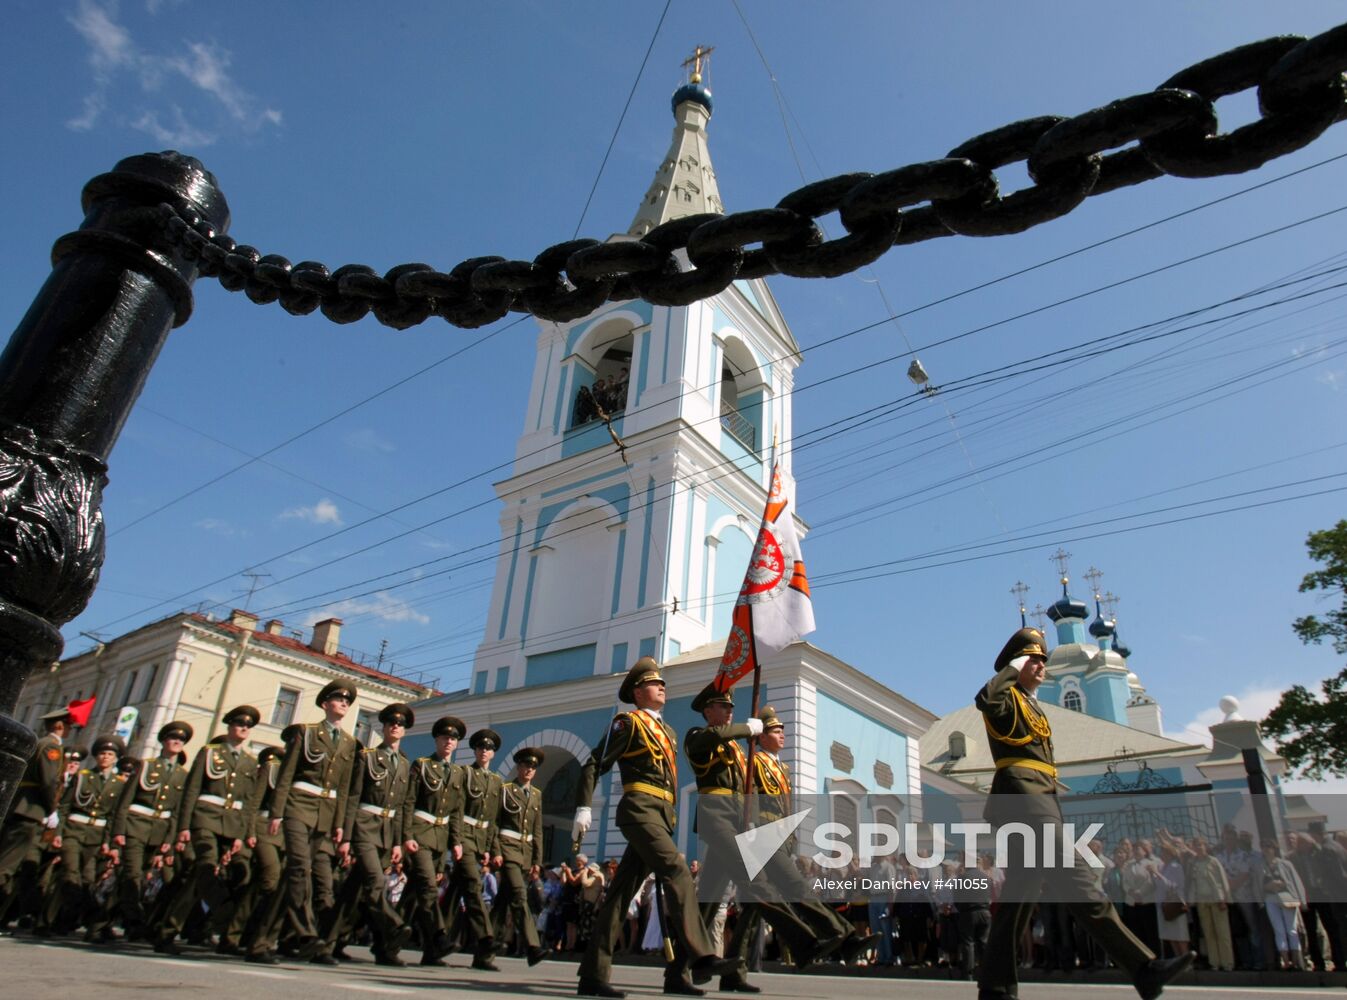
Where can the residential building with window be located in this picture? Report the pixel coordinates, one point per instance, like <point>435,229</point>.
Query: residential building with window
<point>193,667</point>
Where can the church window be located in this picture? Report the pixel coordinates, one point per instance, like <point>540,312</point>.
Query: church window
<point>1072,701</point>
<point>605,394</point>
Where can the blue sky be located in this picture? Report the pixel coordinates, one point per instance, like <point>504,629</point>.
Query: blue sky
<point>435,132</point>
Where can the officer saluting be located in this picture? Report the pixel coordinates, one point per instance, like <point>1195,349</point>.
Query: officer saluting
<point>432,829</point>
<point>521,848</point>
<point>144,823</point>
<point>1024,790</point>
<point>645,749</point>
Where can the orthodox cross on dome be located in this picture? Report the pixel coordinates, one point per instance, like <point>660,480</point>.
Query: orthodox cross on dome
<point>1040,613</point>
<point>695,61</point>
<point>1111,602</point>
<point>1019,590</point>
<point>1094,576</point>
<point>1061,557</point>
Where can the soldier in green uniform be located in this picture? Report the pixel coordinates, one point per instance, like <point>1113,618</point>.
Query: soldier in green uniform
<point>378,791</point>
<point>481,808</point>
<point>145,822</point>
<point>263,902</point>
<point>521,848</point>
<point>721,769</point>
<point>309,807</point>
<point>645,748</point>
<point>88,804</point>
<point>32,816</point>
<point>773,796</point>
<point>1024,790</point>
<point>432,831</point>
<point>214,821</point>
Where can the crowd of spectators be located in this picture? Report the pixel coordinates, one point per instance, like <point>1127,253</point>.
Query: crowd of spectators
<point>606,397</point>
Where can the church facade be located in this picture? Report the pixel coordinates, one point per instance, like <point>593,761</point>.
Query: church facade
<point>626,527</point>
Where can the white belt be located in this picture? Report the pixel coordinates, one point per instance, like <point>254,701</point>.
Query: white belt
<point>373,810</point>
<point>219,800</point>
<point>430,817</point>
<point>516,835</point>
<point>141,810</point>
<point>475,822</point>
<point>86,820</point>
<point>311,789</point>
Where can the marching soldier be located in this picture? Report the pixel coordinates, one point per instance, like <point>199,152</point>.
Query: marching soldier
<point>1024,790</point>
<point>89,802</point>
<point>521,848</point>
<point>721,770</point>
<point>309,807</point>
<point>432,830</point>
<point>645,749</point>
<point>378,791</point>
<point>33,815</point>
<point>263,902</point>
<point>825,929</point>
<point>481,807</point>
<point>144,823</point>
<point>214,821</point>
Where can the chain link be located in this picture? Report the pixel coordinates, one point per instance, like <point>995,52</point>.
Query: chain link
<point>1172,130</point>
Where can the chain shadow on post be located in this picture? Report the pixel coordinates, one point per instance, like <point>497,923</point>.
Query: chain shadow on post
<point>68,378</point>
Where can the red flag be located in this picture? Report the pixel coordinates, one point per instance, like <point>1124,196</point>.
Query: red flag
<point>80,711</point>
<point>774,608</point>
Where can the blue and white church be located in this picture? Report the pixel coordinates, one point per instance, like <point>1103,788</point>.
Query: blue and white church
<point>611,553</point>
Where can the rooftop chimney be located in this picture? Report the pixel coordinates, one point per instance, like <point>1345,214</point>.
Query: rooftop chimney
<point>326,635</point>
<point>243,619</point>
<point>275,627</point>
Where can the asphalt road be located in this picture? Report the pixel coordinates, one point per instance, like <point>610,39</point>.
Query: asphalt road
<point>31,968</point>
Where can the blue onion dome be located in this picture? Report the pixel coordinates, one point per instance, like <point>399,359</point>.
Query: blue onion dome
<point>1068,607</point>
<point>696,92</point>
<point>1099,628</point>
<point>1118,646</point>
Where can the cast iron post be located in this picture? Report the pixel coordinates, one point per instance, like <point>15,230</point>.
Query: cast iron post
<point>68,378</point>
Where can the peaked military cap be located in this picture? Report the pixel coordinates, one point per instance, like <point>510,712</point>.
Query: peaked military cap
<point>645,669</point>
<point>335,688</point>
<point>710,696</point>
<point>485,739</point>
<point>1025,642</point>
<point>397,713</point>
<point>108,741</point>
<point>770,720</point>
<point>449,726</point>
<point>528,757</point>
<point>176,730</point>
<point>76,753</point>
<point>241,712</point>
<point>59,715</point>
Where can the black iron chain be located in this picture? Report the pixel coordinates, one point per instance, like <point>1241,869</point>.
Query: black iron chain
<point>1172,130</point>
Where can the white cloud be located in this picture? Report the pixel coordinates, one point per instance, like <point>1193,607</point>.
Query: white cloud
<point>1334,380</point>
<point>323,512</point>
<point>1254,703</point>
<point>219,526</point>
<point>367,439</point>
<point>381,606</point>
<point>114,52</point>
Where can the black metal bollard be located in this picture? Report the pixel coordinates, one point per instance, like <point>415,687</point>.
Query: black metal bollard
<point>68,379</point>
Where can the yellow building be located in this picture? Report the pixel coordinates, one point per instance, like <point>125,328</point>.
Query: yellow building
<point>195,668</point>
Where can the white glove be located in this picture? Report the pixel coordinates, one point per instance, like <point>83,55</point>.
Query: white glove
<point>584,818</point>
<point>754,726</point>
<point>52,821</point>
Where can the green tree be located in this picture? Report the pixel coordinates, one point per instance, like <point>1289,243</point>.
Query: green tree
<point>1311,730</point>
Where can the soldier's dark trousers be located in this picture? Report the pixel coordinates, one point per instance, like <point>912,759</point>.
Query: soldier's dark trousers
<point>466,888</point>
<point>65,905</point>
<point>20,856</point>
<point>365,887</point>
<point>512,896</point>
<point>261,902</point>
<point>200,882</point>
<point>308,875</point>
<point>1072,885</point>
<point>423,870</point>
<point>650,848</point>
<point>137,857</point>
